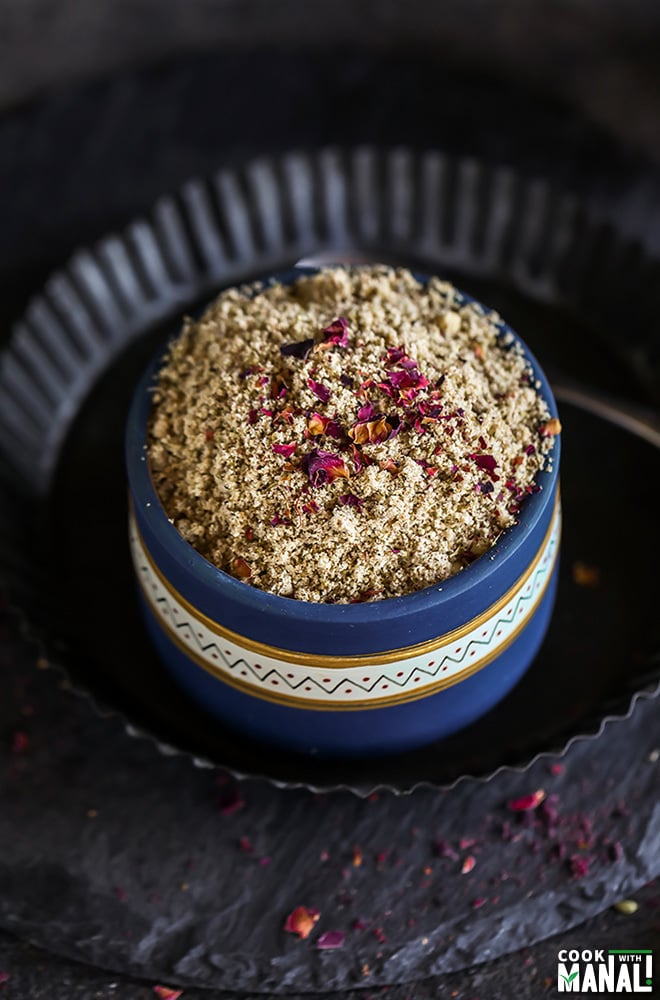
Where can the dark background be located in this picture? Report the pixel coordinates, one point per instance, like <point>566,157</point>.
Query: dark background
<point>89,91</point>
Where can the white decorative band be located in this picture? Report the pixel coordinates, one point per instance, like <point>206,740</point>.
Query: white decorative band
<point>345,682</point>
<point>331,682</point>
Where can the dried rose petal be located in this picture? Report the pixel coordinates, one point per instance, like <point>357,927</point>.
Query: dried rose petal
<point>319,390</point>
<point>551,428</point>
<point>331,939</point>
<point>398,356</point>
<point>389,465</point>
<point>301,921</point>
<point>410,378</point>
<point>165,993</point>
<point>468,864</point>
<point>4,977</point>
<point>367,412</point>
<point>579,866</point>
<point>245,845</point>
<point>527,802</point>
<point>375,431</point>
<point>241,568</point>
<point>20,742</point>
<point>285,449</point>
<point>317,424</point>
<point>487,463</point>
<point>357,857</point>
<point>477,903</point>
<point>324,467</point>
<point>336,333</point>
<point>350,500</point>
<point>297,349</point>
<point>556,769</point>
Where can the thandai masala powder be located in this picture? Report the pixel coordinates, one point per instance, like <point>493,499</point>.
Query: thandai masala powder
<point>355,435</point>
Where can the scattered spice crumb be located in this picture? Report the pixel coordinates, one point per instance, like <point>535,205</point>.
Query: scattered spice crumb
<point>357,857</point>
<point>626,906</point>
<point>556,769</point>
<point>301,921</point>
<point>92,814</point>
<point>585,576</point>
<point>4,978</point>
<point>245,845</point>
<point>367,413</point>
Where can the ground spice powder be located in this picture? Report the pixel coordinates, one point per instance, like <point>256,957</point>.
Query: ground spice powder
<point>355,435</point>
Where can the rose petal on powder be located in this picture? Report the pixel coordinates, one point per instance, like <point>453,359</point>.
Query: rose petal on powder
<point>285,449</point>
<point>324,467</point>
<point>337,332</point>
<point>319,390</point>
<point>166,993</point>
<point>350,500</point>
<point>241,568</point>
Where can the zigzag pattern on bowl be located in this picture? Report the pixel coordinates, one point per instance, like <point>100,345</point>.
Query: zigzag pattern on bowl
<point>346,682</point>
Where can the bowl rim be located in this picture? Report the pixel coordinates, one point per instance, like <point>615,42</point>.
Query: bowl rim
<point>144,496</point>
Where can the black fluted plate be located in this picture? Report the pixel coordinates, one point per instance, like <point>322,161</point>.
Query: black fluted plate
<point>532,253</point>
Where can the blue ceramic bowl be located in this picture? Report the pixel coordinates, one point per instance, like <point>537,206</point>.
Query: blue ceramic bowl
<point>344,679</point>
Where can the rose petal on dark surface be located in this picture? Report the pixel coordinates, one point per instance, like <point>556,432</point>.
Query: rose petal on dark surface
<point>301,921</point>
<point>331,939</point>
<point>526,802</point>
<point>166,993</point>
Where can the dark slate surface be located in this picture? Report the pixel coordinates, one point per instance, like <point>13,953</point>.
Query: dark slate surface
<point>147,807</point>
<point>134,862</point>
